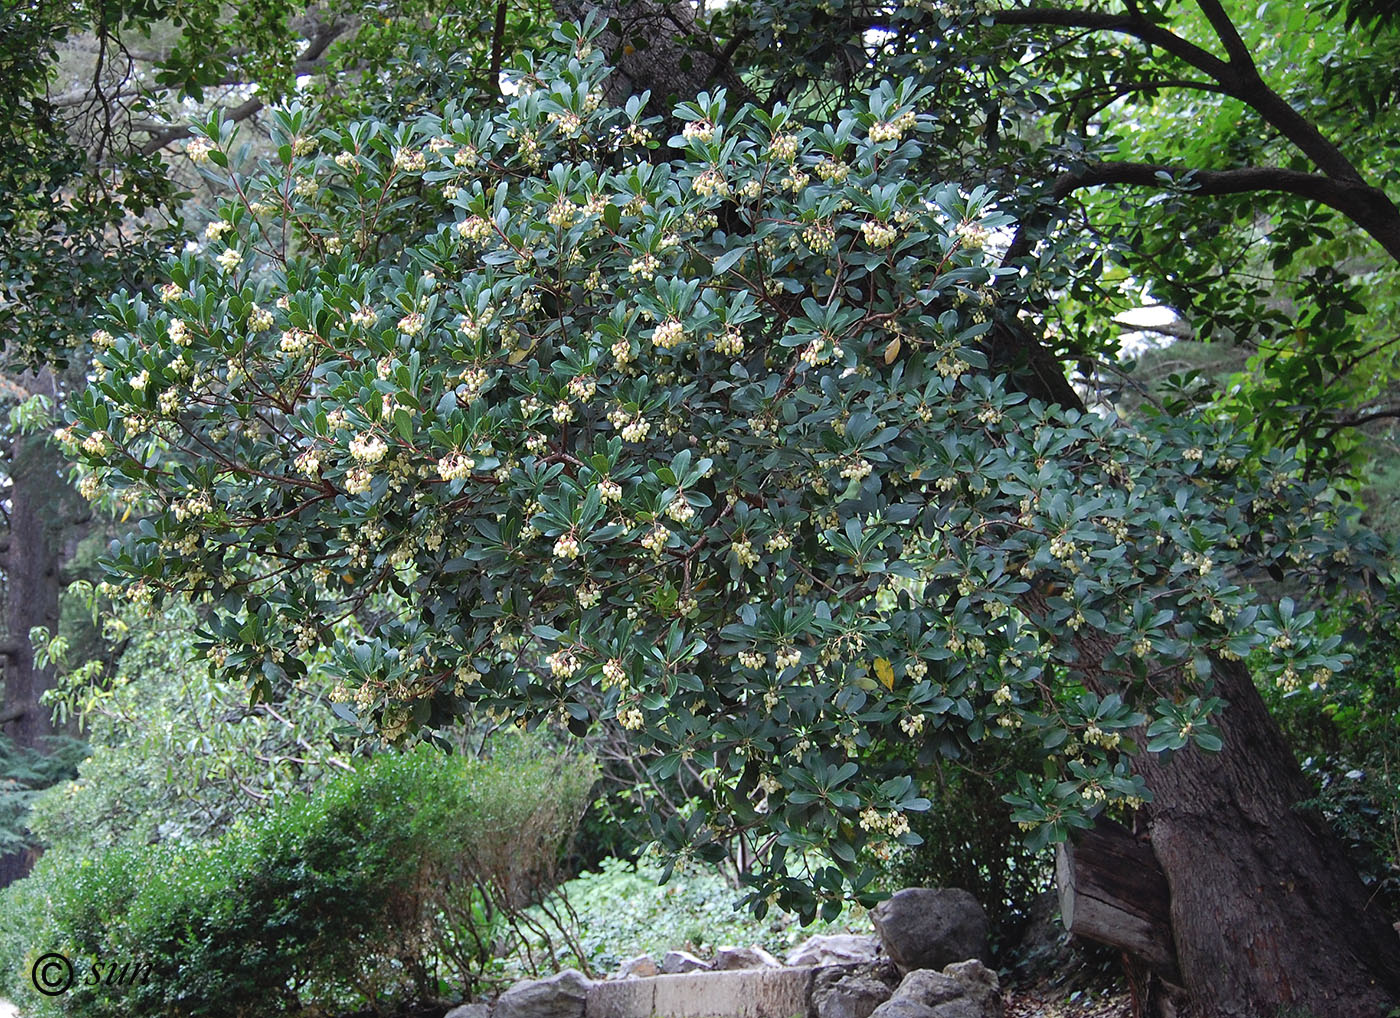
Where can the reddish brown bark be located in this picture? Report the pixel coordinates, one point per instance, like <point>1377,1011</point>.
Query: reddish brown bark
<point>1267,912</point>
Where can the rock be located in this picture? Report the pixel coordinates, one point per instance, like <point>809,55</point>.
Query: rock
<point>850,996</point>
<point>980,984</point>
<point>881,970</point>
<point>470,1011</point>
<point>755,957</point>
<point>928,928</point>
<point>680,961</point>
<point>929,988</point>
<point>835,949</point>
<point>903,1008</point>
<point>560,996</point>
<point>640,967</point>
<point>962,1007</point>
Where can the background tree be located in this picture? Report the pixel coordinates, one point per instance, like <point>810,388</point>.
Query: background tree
<point>95,188</point>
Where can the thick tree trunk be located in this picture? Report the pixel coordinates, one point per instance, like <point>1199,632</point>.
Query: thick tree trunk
<point>1268,916</point>
<point>657,46</point>
<point>39,497</point>
<point>1267,912</point>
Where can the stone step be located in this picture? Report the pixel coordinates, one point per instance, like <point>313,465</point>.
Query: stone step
<point>739,993</point>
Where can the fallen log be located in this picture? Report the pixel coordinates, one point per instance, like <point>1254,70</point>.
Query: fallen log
<point>1112,890</point>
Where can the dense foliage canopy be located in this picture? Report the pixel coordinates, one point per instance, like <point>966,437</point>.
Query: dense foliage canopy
<point>709,445</point>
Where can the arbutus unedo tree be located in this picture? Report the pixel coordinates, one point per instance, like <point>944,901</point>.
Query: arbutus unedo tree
<point>716,443</point>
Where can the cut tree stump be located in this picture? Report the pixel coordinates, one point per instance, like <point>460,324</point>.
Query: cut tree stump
<point>1112,890</point>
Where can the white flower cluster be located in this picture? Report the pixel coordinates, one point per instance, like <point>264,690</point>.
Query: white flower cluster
<point>644,265</point>
<point>892,823</point>
<point>199,150</point>
<point>820,237</point>
<point>295,342</point>
<point>562,663</point>
<point>878,234</point>
<point>368,448</point>
<point>783,148</point>
<point>411,324</point>
<point>788,657</point>
<point>455,466</point>
<point>856,468</point>
<point>832,171</point>
<point>680,509</point>
<point>566,547</point>
<point>669,334</point>
<point>893,130</point>
<point>743,551</point>
<point>410,160</point>
<point>698,130</point>
<point>358,481</point>
<point>655,539</point>
<point>730,343</point>
<point>752,659</point>
<point>474,229</point>
<point>710,182</point>
<point>582,388</point>
<point>972,235</point>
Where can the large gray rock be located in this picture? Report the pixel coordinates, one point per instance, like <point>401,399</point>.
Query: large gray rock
<point>563,995</point>
<point>850,996</point>
<point>980,984</point>
<point>639,967</point>
<point>728,959</point>
<point>903,1008</point>
<point>928,928</point>
<point>681,961</point>
<point>962,1007</point>
<point>834,949</point>
<point>924,986</point>
<point>470,1011</point>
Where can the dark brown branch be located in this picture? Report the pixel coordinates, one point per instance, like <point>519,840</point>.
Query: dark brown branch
<point>1362,418</point>
<point>498,38</point>
<point>1123,24</point>
<point>1241,81</point>
<point>12,714</point>
<point>161,139</point>
<point>1368,207</point>
<point>1228,35</point>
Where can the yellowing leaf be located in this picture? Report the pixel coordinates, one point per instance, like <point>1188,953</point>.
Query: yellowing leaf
<point>892,350</point>
<point>884,671</point>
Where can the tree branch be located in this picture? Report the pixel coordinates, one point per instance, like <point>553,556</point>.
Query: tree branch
<point>1362,418</point>
<point>1366,206</point>
<point>1238,80</point>
<point>1228,35</point>
<point>1124,24</point>
<point>309,63</point>
<point>161,139</point>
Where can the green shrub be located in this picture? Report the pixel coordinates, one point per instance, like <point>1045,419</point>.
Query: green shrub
<point>361,894</point>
